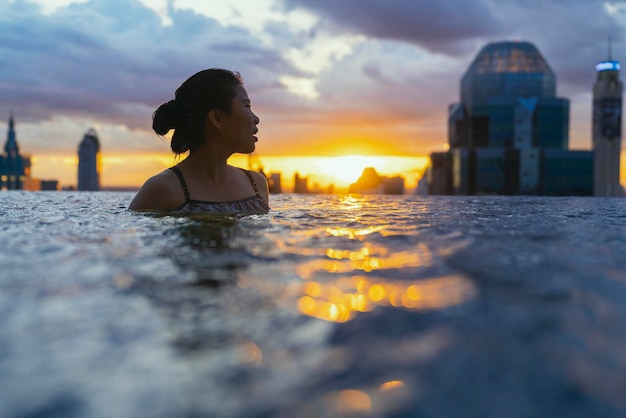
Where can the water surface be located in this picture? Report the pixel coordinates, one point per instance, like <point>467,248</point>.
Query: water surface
<point>378,306</point>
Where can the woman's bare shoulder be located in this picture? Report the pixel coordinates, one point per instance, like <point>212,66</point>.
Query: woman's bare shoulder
<point>258,177</point>
<point>161,192</point>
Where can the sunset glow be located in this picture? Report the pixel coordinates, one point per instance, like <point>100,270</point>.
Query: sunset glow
<point>347,169</point>
<point>131,170</point>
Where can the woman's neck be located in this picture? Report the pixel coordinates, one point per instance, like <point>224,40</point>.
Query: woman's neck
<point>208,164</point>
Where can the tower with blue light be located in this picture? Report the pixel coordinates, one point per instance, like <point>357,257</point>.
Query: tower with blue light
<point>607,128</point>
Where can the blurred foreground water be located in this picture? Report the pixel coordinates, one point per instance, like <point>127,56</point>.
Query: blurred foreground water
<point>328,306</point>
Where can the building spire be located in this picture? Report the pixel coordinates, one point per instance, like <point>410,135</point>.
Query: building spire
<point>610,49</point>
<point>11,147</point>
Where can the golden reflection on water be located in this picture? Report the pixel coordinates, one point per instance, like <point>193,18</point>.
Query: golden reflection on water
<point>366,259</point>
<point>356,402</point>
<point>352,400</point>
<point>350,202</point>
<point>356,289</point>
<point>343,299</point>
<point>392,384</point>
<point>351,232</point>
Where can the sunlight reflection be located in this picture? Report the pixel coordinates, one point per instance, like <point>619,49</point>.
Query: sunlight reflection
<point>352,233</point>
<point>365,259</point>
<point>343,299</point>
<point>392,384</point>
<point>297,246</point>
<point>352,255</point>
<point>351,400</point>
<point>351,202</point>
<point>358,273</point>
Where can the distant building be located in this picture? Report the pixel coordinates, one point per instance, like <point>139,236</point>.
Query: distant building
<point>509,134</point>
<point>422,185</point>
<point>607,128</point>
<point>371,182</point>
<point>300,184</point>
<point>14,168</point>
<point>89,162</point>
<point>49,185</point>
<point>274,183</point>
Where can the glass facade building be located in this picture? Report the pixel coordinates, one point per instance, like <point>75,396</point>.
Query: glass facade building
<point>566,173</point>
<point>508,114</point>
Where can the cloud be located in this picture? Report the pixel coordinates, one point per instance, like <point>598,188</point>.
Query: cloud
<point>444,26</point>
<point>572,35</point>
<point>115,59</point>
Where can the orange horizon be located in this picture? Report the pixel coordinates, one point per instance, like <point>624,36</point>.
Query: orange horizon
<point>131,169</point>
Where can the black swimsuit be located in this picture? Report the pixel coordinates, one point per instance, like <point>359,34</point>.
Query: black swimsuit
<point>252,204</point>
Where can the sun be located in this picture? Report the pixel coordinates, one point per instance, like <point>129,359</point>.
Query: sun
<point>346,169</point>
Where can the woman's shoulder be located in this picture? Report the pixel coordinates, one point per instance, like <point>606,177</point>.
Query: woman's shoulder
<point>258,177</point>
<point>261,183</point>
<point>166,179</point>
<point>161,192</point>
<point>252,175</point>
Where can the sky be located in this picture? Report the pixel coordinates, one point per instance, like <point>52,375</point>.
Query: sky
<point>326,77</point>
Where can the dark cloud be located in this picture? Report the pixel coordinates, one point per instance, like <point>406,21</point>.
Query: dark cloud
<point>571,34</point>
<point>443,26</point>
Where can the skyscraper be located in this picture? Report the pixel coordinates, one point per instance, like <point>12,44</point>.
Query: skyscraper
<point>509,134</point>
<point>89,162</point>
<point>13,166</point>
<point>607,132</point>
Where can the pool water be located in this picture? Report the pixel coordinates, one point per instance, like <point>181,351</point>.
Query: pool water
<point>328,306</point>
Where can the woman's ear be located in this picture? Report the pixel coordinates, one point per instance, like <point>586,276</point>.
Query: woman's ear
<point>214,117</point>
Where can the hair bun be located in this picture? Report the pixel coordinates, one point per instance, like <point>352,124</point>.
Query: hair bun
<point>168,116</point>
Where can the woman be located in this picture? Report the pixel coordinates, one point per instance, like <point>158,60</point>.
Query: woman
<point>212,119</point>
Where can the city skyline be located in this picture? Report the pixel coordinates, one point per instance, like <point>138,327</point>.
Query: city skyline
<point>326,79</point>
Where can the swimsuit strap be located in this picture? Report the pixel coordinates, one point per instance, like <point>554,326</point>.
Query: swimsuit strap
<point>254,186</point>
<point>183,184</point>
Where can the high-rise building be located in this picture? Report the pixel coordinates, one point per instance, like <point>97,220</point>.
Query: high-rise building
<point>509,134</point>
<point>14,168</point>
<point>89,162</point>
<point>607,128</point>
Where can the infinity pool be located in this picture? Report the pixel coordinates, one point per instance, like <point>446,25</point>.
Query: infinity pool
<point>328,306</point>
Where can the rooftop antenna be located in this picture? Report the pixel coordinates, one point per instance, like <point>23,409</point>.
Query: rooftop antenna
<point>610,50</point>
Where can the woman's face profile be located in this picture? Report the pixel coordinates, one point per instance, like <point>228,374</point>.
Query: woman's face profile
<point>240,125</point>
